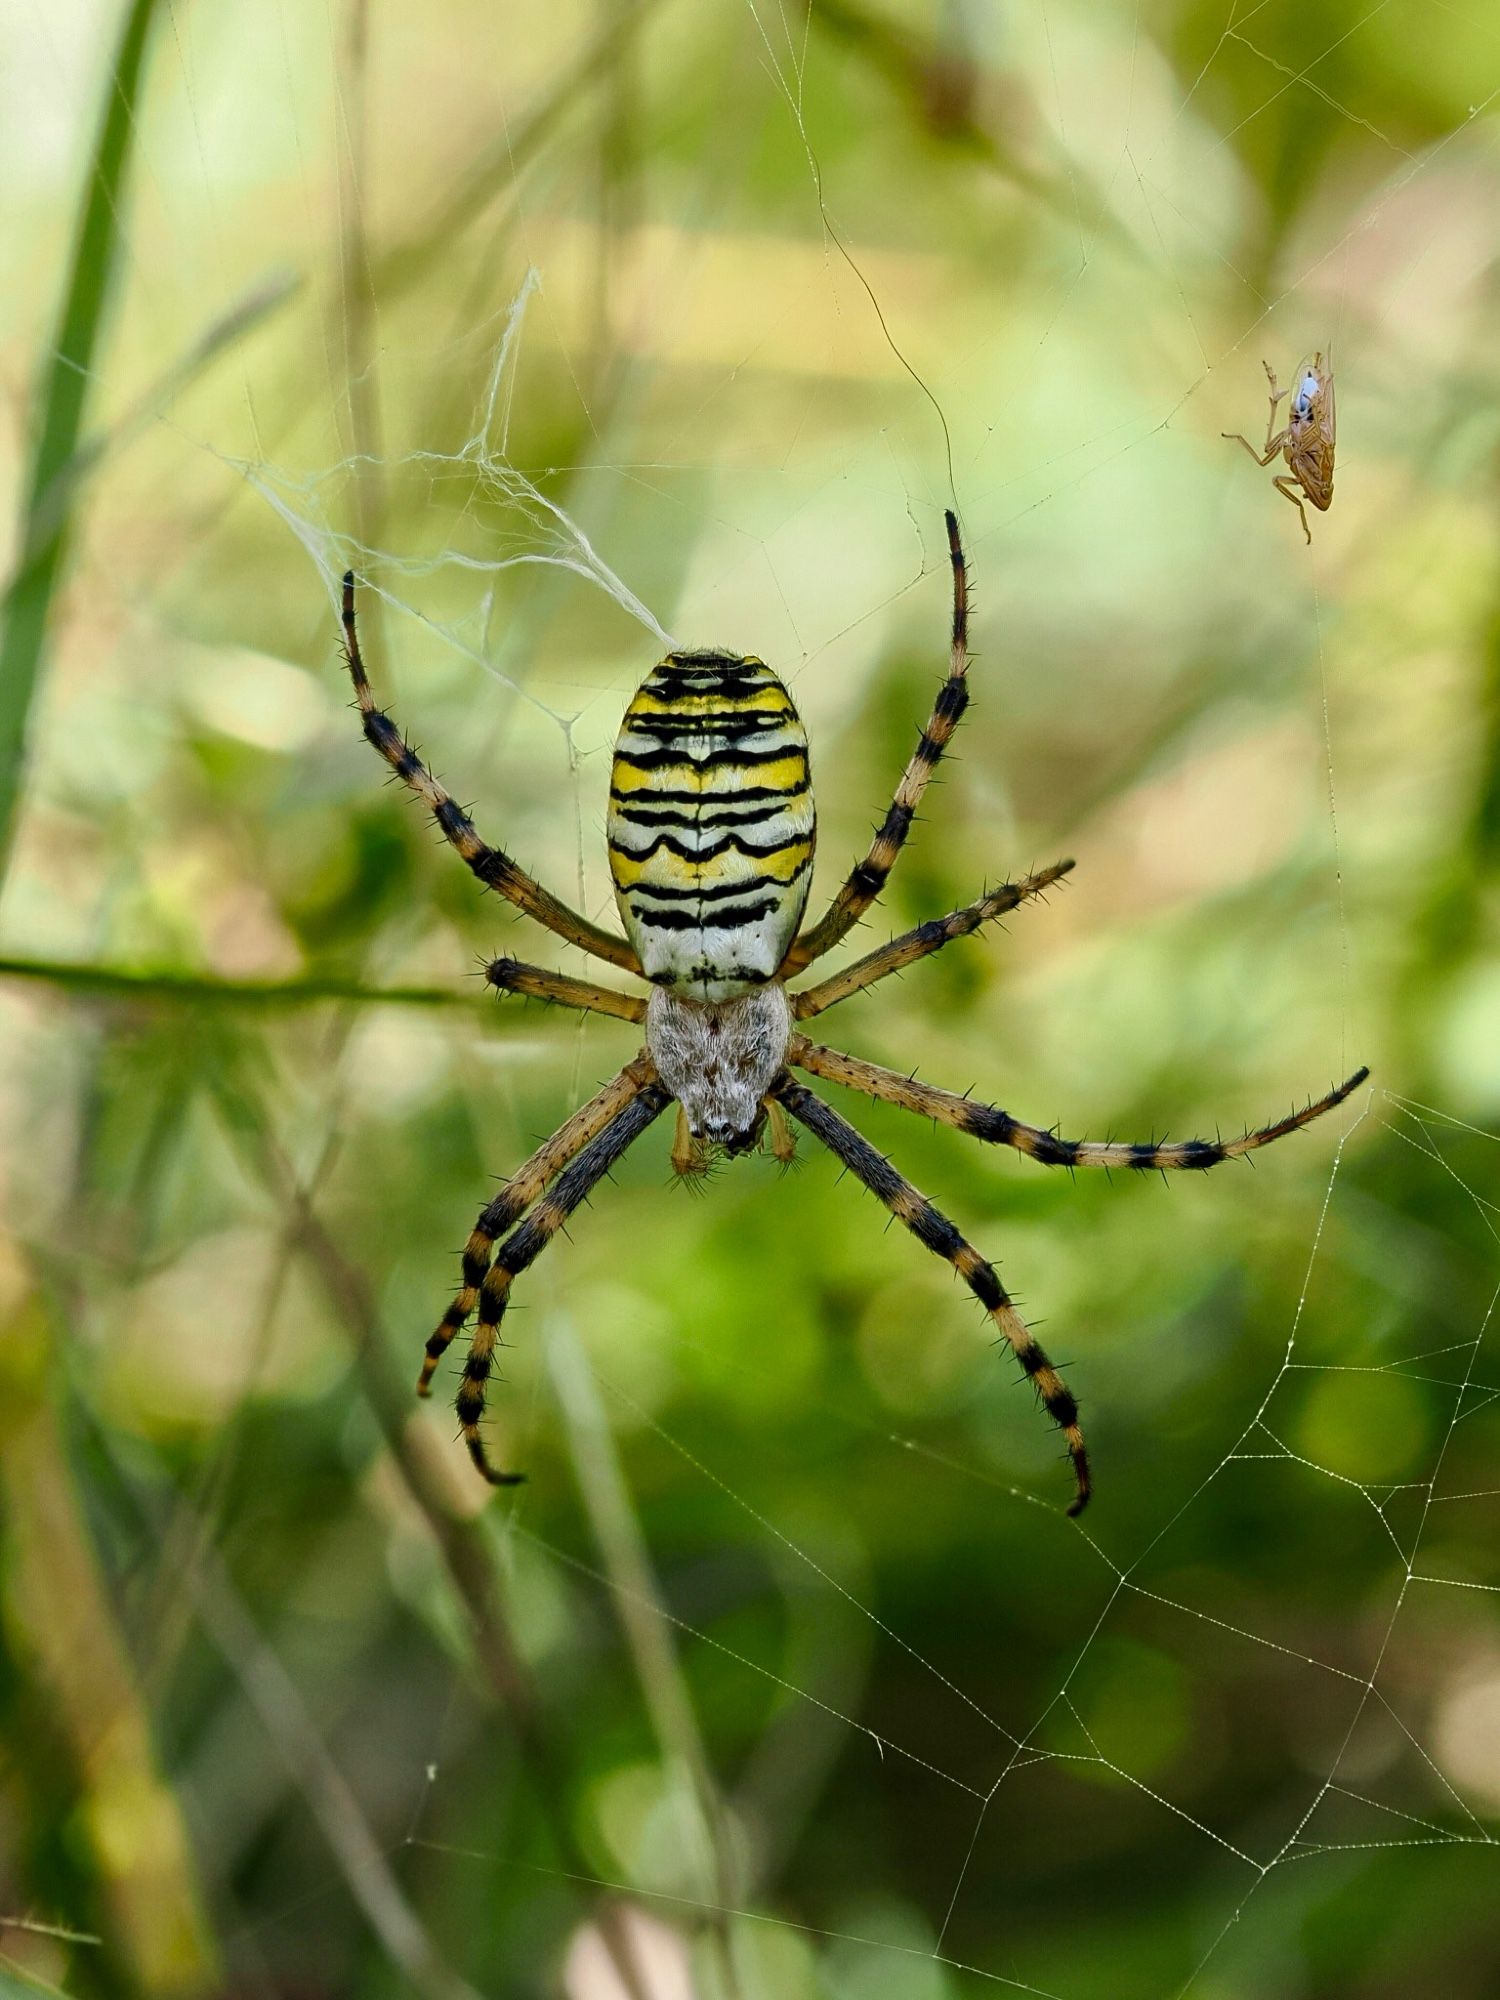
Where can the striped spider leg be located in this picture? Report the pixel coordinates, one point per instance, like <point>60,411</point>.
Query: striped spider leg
<point>933,1229</point>
<point>985,1122</point>
<point>585,1146</point>
<point>997,1128</point>
<point>644,1101</point>
<point>524,1187</point>
<point>509,975</point>
<point>925,939</point>
<point>493,867</point>
<point>868,877</point>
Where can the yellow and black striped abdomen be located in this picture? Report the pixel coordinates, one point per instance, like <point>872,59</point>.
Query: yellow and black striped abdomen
<point>711,824</point>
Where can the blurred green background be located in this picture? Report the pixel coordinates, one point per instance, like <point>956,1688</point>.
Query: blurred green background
<point>784,1676</point>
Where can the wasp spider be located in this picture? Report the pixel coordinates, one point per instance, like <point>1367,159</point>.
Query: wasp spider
<point>711,827</point>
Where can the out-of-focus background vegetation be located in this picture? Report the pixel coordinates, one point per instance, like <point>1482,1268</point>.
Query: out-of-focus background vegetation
<point>784,1676</point>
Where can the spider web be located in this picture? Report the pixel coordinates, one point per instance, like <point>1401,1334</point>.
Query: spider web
<point>1051,432</point>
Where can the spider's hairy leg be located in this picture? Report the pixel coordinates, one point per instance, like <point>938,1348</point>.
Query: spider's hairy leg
<point>868,877</point>
<point>524,1245</point>
<point>521,1190</point>
<point>493,867</point>
<point>510,975</point>
<point>998,1128</point>
<point>932,1228</point>
<point>929,937</point>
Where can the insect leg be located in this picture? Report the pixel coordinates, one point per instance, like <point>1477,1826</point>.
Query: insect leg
<point>1273,444</point>
<point>1284,485</point>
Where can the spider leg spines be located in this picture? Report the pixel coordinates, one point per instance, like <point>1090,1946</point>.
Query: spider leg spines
<point>470,1405</point>
<point>993,1126</point>
<point>492,867</point>
<point>936,1233</point>
<point>476,1264</point>
<point>925,939</point>
<point>783,1139</point>
<point>512,1200</point>
<point>526,1243</point>
<point>511,975</point>
<point>868,877</point>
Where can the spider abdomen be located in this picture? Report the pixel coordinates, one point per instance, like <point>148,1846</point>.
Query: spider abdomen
<point>711,824</point>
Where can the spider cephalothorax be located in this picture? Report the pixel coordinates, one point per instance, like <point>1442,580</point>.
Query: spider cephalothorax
<point>711,832</point>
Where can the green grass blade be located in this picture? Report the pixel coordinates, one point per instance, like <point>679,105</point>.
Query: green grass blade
<point>62,392</point>
<point>192,989</point>
<point>16,1980</point>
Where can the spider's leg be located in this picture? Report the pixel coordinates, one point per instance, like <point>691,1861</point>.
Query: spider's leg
<point>495,869</point>
<point>868,877</point>
<point>521,1190</point>
<point>509,975</point>
<point>1284,485</point>
<point>524,1245</point>
<point>943,1239</point>
<point>998,1128</point>
<point>929,937</point>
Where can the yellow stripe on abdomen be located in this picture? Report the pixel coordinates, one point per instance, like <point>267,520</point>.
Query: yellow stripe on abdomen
<point>711,824</point>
